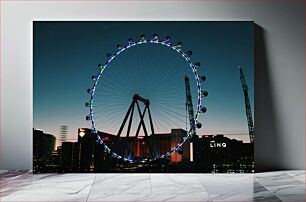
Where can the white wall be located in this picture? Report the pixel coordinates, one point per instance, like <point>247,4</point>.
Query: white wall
<point>280,73</point>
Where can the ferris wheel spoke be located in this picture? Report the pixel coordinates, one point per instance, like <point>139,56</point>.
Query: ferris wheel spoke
<point>157,124</point>
<point>112,87</point>
<point>167,117</point>
<point>99,98</point>
<point>106,113</point>
<point>109,123</point>
<point>173,116</point>
<point>167,110</point>
<point>110,113</point>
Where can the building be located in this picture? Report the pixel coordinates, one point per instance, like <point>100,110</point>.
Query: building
<point>87,142</point>
<point>55,161</point>
<point>94,159</point>
<point>210,153</point>
<point>92,155</point>
<point>76,156</point>
<point>43,146</point>
<point>70,155</point>
<point>164,142</point>
<point>66,156</point>
<point>220,154</point>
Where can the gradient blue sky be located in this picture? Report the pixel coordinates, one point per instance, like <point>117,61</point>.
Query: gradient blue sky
<point>66,55</point>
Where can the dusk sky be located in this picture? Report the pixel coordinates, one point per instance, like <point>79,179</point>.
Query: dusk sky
<point>66,55</point>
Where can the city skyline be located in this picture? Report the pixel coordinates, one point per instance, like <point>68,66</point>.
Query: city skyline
<point>74,138</point>
<point>67,53</point>
<point>208,154</point>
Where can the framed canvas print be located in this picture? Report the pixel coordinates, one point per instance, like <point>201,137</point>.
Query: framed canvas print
<point>135,96</point>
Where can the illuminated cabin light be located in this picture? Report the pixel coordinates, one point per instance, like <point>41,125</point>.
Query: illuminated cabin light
<point>178,46</point>
<point>203,78</point>
<point>94,78</point>
<point>167,40</point>
<point>90,90</point>
<point>130,41</point>
<point>198,125</point>
<point>197,65</point>
<point>101,67</point>
<point>203,109</point>
<point>142,38</point>
<point>88,117</point>
<point>88,104</point>
<point>119,47</point>
<point>155,37</point>
<point>188,53</point>
<point>204,93</point>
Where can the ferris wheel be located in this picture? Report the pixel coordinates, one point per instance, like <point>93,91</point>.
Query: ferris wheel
<point>92,104</point>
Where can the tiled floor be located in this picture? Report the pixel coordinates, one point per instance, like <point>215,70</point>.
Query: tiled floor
<point>269,186</point>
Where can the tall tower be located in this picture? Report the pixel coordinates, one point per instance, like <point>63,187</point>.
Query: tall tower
<point>63,133</point>
<point>247,106</point>
<point>189,106</point>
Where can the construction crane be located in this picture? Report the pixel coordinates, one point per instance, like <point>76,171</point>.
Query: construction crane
<point>189,107</point>
<point>247,106</point>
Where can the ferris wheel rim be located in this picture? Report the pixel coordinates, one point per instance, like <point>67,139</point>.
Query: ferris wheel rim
<point>91,91</point>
